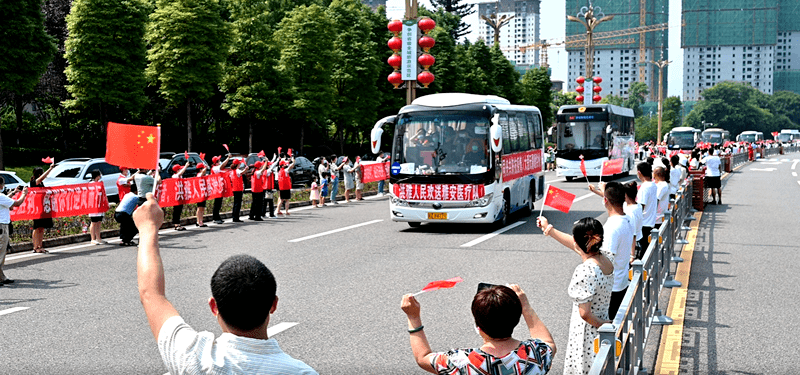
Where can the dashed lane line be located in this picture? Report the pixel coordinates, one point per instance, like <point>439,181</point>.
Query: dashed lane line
<point>794,174</point>
<point>794,164</point>
<point>280,327</point>
<point>493,234</point>
<point>335,231</point>
<point>12,310</point>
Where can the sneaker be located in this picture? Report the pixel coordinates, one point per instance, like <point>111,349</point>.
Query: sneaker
<point>95,242</point>
<point>219,222</point>
<point>238,221</point>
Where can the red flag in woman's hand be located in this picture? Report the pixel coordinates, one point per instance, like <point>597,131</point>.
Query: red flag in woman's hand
<point>186,155</point>
<point>47,160</point>
<point>203,156</point>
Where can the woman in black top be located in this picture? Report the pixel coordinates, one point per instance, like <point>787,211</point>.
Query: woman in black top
<point>39,225</point>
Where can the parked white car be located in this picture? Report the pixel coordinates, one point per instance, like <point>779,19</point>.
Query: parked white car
<point>12,180</point>
<point>79,171</point>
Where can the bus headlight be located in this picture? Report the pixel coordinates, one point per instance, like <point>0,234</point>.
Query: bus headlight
<point>399,202</point>
<point>482,201</point>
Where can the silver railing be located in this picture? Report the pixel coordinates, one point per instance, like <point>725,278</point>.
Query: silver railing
<point>621,344</point>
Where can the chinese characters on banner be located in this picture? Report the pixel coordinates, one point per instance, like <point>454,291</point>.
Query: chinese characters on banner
<point>374,171</point>
<point>408,69</point>
<point>62,201</point>
<point>438,192</point>
<point>177,191</point>
<point>521,164</point>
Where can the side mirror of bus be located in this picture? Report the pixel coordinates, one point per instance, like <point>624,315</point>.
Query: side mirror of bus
<point>609,129</point>
<point>496,133</point>
<point>550,131</point>
<point>375,140</point>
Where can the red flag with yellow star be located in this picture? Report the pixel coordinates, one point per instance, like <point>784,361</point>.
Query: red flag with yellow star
<point>133,146</point>
<point>559,199</point>
<point>612,167</point>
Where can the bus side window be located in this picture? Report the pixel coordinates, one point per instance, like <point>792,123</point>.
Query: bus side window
<point>524,134</point>
<point>506,137</point>
<point>513,128</point>
<point>535,131</point>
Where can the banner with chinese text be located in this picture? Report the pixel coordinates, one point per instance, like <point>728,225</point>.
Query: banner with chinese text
<point>521,164</point>
<point>62,201</point>
<point>438,192</point>
<point>374,171</point>
<point>177,191</point>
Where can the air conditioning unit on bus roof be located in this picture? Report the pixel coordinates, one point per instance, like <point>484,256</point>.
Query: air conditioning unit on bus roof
<point>452,99</point>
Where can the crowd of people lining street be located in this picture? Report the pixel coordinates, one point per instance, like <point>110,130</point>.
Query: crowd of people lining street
<point>244,291</point>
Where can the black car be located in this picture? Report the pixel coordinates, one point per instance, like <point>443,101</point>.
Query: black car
<point>179,159</point>
<point>303,172</point>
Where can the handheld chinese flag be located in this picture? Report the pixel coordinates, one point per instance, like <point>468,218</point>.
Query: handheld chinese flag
<point>612,167</point>
<point>226,148</point>
<point>279,150</point>
<point>262,154</point>
<point>289,152</point>
<point>203,156</point>
<point>775,134</point>
<point>559,199</point>
<point>583,168</point>
<point>186,155</point>
<point>47,160</point>
<point>440,284</point>
<point>133,146</point>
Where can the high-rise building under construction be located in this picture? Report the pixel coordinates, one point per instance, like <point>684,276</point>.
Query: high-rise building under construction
<point>742,41</point>
<point>520,31</point>
<point>616,60</point>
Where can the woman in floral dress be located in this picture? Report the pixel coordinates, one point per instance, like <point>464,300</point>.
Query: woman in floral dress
<point>589,290</point>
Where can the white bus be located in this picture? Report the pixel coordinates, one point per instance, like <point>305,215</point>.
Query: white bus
<point>683,139</point>
<point>463,158</point>
<point>715,136</point>
<point>788,136</point>
<point>750,136</point>
<point>597,132</point>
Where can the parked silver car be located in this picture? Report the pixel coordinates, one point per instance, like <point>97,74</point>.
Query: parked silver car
<point>79,171</point>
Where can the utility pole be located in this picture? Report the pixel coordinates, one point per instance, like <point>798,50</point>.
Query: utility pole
<point>660,64</point>
<point>495,23</point>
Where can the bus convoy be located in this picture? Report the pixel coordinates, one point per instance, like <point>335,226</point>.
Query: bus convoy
<point>715,136</point>
<point>682,139</point>
<point>595,133</point>
<point>750,136</point>
<point>463,158</point>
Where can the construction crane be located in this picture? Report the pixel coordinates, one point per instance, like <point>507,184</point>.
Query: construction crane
<point>543,45</point>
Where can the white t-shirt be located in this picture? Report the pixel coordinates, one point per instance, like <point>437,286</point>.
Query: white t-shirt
<point>634,212</point>
<point>675,179</point>
<point>617,245</point>
<point>5,204</point>
<point>662,194</point>
<point>647,197</point>
<point>712,165</point>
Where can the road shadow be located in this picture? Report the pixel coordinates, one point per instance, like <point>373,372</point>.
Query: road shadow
<point>559,220</point>
<point>39,284</point>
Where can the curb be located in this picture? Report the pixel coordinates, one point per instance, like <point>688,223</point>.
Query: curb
<point>109,233</point>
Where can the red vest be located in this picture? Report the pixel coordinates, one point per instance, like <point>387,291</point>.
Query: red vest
<point>284,180</point>
<point>269,181</point>
<point>122,189</point>
<point>256,183</point>
<point>236,181</point>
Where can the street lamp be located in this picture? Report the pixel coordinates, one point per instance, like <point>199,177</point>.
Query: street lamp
<point>588,18</point>
<point>660,64</point>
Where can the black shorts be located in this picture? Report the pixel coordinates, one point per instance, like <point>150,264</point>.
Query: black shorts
<point>712,182</point>
<point>42,223</point>
<point>286,194</point>
<point>201,204</point>
<point>96,219</point>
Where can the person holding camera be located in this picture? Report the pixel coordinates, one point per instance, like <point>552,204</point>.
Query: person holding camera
<point>496,310</point>
<point>6,203</point>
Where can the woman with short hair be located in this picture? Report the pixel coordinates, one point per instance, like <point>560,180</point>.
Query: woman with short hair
<point>96,219</point>
<point>39,225</point>
<point>496,310</point>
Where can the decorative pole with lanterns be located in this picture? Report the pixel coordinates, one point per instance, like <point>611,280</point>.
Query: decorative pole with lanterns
<point>588,18</point>
<point>409,65</point>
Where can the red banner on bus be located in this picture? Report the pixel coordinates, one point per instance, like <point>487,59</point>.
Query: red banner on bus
<point>438,192</point>
<point>177,191</point>
<point>62,201</point>
<point>521,164</point>
<point>374,171</point>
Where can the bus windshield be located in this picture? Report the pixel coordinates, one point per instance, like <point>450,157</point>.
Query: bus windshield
<point>784,137</point>
<point>442,143</point>
<point>681,140</point>
<point>747,138</point>
<point>582,136</point>
<point>712,137</point>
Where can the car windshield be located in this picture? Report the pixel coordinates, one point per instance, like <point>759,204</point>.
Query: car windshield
<point>443,143</point>
<point>66,170</point>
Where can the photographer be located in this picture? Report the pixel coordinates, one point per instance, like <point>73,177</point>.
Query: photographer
<point>7,203</point>
<point>496,310</point>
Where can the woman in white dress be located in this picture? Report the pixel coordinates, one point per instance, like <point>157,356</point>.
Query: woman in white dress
<point>589,290</point>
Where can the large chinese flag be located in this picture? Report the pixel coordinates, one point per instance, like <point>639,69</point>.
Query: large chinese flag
<point>612,167</point>
<point>559,199</point>
<point>133,146</point>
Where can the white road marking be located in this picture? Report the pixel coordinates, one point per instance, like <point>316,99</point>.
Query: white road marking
<point>490,235</point>
<point>335,231</point>
<point>764,169</point>
<point>585,196</point>
<point>773,163</point>
<point>798,182</point>
<point>280,327</point>
<point>794,164</point>
<point>794,174</point>
<point>558,180</point>
<point>12,310</point>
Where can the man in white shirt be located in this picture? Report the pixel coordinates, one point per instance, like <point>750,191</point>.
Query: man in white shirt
<point>662,194</point>
<point>647,197</point>
<point>618,235</point>
<point>712,178</point>
<point>7,203</point>
<point>243,298</point>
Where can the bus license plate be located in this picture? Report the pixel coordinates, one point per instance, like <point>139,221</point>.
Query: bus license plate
<point>437,215</point>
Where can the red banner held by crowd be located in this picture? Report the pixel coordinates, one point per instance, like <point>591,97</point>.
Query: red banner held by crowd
<point>178,191</point>
<point>374,171</point>
<point>438,192</point>
<point>62,201</point>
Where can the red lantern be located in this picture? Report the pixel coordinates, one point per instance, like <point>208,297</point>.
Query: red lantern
<point>579,98</point>
<point>597,98</point>
<point>580,80</point>
<point>395,61</point>
<point>580,89</point>
<point>597,80</point>
<point>426,43</point>
<point>426,25</point>
<point>395,79</point>
<point>395,44</point>
<point>395,26</point>
<point>425,78</point>
<point>597,89</point>
<point>426,60</point>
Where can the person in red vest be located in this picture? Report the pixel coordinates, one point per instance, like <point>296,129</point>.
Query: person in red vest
<point>237,185</point>
<point>285,185</point>
<point>124,182</point>
<point>269,187</point>
<point>201,206</point>
<point>218,167</point>
<point>257,188</point>
<point>178,210</point>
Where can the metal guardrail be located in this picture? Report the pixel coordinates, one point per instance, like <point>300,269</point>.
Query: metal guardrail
<point>738,159</point>
<point>622,342</point>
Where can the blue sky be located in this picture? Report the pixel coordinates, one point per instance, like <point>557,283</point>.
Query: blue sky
<point>553,19</point>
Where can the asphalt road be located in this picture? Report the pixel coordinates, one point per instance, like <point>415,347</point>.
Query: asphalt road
<point>742,300</point>
<point>341,273</point>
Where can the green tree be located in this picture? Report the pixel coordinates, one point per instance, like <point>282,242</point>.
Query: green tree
<point>731,106</point>
<point>637,95</point>
<point>105,52</point>
<point>535,90</point>
<point>460,9</point>
<point>478,69</point>
<point>504,76</point>
<point>671,113</point>
<point>787,103</point>
<point>252,84</point>
<point>306,58</point>
<point>189,41</point>
<point>447,69</point>
<point>613,100</point>
<point>27,50</point>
